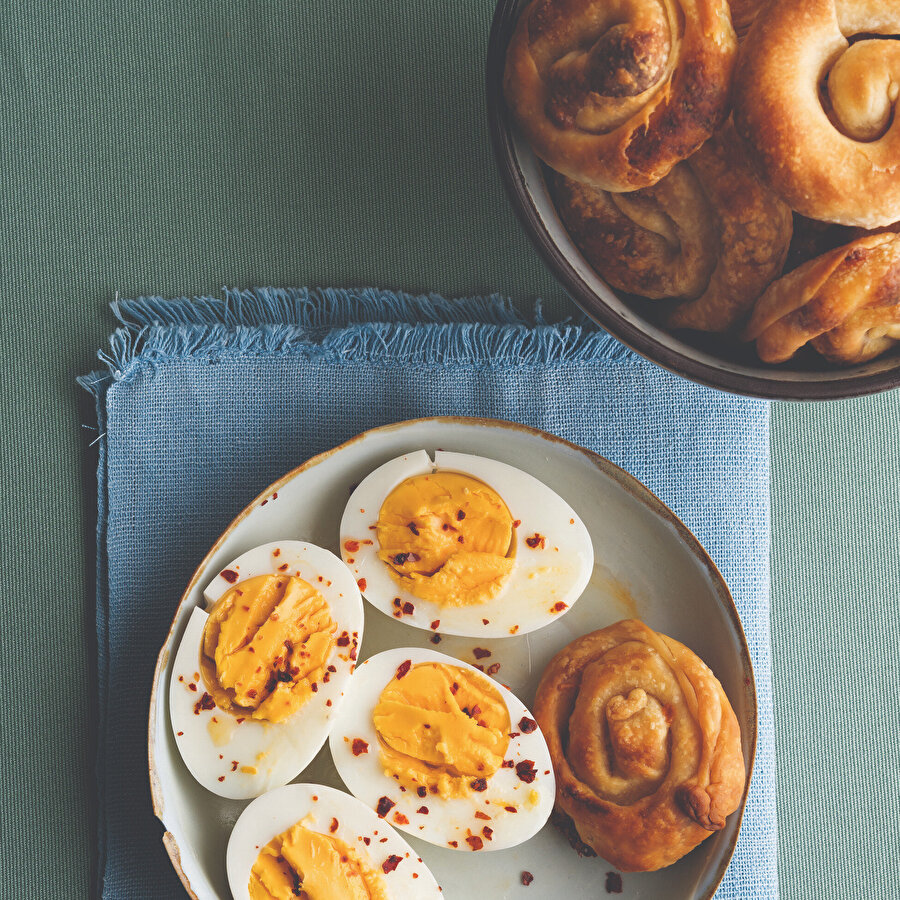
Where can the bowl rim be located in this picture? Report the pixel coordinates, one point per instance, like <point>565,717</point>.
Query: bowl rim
<point>608,469</point>
<point>501,129</point>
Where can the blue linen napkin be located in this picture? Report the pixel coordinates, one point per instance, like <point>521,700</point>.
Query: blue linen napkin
<point>206,402</point>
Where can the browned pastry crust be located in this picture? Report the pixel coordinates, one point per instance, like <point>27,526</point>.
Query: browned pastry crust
<point>616,93</point>
<point>709,232</point>
<point>819,111</point>
<point>645,745</point>
<point>743,14</point>
<point>845,304</point>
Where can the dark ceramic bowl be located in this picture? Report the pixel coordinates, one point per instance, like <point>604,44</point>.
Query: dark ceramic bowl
<point>714,360</point>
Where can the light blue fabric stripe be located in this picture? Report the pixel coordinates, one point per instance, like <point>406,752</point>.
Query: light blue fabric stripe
<point>206,401</point>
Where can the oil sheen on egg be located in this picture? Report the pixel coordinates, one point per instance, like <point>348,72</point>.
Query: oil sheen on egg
<point>464,545</point>
<point>442,751</point>
<point>312,840</point>
<point>260,672</point>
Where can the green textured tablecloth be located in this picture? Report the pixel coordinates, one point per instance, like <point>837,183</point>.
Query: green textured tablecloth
<point>164,147</point>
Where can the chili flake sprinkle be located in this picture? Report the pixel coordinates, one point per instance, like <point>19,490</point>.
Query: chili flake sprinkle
<point>527,878</point>
<point>526,725</point>
<point>403,668</point>
<point>481,653</point>
<point>391,863</point>
<point>385,805</point>
<point>526,771</point>
<point>475,842</point>
<point>360,746</point>
<point>229,575</point>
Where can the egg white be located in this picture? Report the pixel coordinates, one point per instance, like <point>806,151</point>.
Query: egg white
<point>280,809</point>
<point>450,819</point>
<point>542,577</point>
<point>278,751</point>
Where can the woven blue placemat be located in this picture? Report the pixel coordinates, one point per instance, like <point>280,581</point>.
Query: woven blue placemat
<point>205,402</point>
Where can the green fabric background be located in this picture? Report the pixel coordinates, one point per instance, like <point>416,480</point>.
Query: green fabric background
<point>175,147</point>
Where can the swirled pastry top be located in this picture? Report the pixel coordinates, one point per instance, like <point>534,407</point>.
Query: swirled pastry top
<point>616,93</point>
<point>645,745</point>
<point>845,304</point>
<point>818,106</point>
<point>709,233</point>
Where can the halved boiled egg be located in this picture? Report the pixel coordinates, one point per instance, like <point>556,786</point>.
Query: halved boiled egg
<point>309,840</point>
<point>442,751</point>
<point>464,545</point>
<point>258,677</point>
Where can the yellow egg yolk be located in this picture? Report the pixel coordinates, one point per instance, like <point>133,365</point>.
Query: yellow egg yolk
<point>441,728</point>
<point>265,646</point>
<point>446,537</point>
<point>315,866</point>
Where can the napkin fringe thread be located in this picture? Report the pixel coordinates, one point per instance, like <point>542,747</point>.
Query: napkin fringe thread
<point>344,326</point>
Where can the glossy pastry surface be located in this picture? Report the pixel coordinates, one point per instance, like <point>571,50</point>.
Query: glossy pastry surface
<point>645,745</point>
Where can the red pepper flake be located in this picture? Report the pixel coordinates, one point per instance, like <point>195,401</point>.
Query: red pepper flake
<point>513,735</point>
<point>367,841</point>
<point>517,523</point>
<point>514,629</point>
<point>613,883</point>
<point>475,842</point>
<point>460,540</point>
<point>275,495</point>
<point>460,515</point>
<point>234,765</point>
<point>383,841</point>
<point>400,819</point>
<point>205,702</point>
<point>221,778</point>
<point>527,878</point>
<point>180,733</point>
<point>391,863</point>
<point>559,606</point>
<point>488,833</point>
<point>479,784</point>
<point>453,844</point>
<point>454,688</point>
<point>229,575</point>
<point>413,528</point>
<point>351,546</point>
<point>328,703</point>
<point>493,669</point>
<point>435,624</point>
<point>422,810</point>
<point>408,608</point>
<point>385,805</point>
<point>314,687</point>
<point>481,815</point>
<point>435,639</point>
<point>332,669</point>
<point>536,541</point>
<point>479,667</point>
<point>510,809</point>
<point>360,746</point>
<point>192,687</point>
<point>526,771</point>
<point>403,668</point>
<point>361,584</point>
<point>527,725</point>
<point>480,653</point>
<point>343,640</point>
<point>507,764</point>
<point>276,552</point>
<point>334,826</point>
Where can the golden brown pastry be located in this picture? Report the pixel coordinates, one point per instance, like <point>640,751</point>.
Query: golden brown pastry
<point>845,304</point>
<point>743,14</point>
<point>819,111</point>
<point>616,93</point>
<point>645,745</point>
<point>709,232</point>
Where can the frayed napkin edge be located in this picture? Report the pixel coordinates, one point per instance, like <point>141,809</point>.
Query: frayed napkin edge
<point>344,324</point>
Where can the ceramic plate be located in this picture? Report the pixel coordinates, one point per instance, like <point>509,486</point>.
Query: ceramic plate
<point>647,564</point>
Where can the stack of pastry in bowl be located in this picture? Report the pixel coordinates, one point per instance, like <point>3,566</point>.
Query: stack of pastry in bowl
<point>690,141</point>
